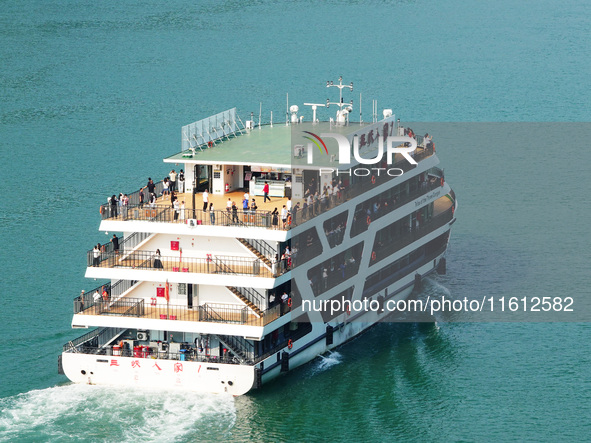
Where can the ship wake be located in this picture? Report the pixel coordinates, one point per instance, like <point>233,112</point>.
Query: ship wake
<point>117,414</point>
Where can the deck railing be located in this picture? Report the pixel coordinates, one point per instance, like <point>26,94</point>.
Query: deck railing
<point>246,218</point>
<point>208,312</point>
<point>167,214</point>
<point>218,264</point>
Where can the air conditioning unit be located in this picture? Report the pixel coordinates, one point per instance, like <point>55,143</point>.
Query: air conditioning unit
<point>142,335</point>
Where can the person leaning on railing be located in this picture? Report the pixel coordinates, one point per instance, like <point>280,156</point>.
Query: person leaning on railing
<point>157,261</point>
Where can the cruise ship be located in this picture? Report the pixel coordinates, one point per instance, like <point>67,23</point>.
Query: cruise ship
<point>226,273</point>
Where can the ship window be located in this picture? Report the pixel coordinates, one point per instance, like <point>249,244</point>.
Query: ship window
<point>307,246</point>
<point>335,270</point>
<point>396,270</point>
<point>384,203</point>
<point>334,229</point>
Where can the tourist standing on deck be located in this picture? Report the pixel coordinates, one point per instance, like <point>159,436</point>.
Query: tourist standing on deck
<point>234,213</point>
<point>172,176</point>
<point>211,214</point>
<point>181,179</point>
<point>284,215</point>
<point>205,200</point>
<point>284,305</point>
<point>165,187</point>
<point>157,261</point>
<point>151,186</point>
<point>115,242</point>
<point>176,208</point>
<point>142,197</point>
<point>266,192</point>
<point>294,213</point>
<point>124,204</point>
<point>275,218</point>
<point>96,253</point>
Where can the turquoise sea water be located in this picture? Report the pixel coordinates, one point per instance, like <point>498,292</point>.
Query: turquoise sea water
<point>92,97</point>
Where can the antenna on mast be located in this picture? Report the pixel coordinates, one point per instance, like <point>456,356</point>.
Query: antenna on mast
<point>342,114</point>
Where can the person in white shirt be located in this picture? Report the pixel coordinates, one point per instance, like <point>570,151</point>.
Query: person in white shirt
<point>172,176</point>
<point>177,209</point>
<point>205,200</point>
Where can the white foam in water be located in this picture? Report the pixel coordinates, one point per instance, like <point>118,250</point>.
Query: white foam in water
<point>434,288</point>
<point>327,361</point>
<point>117,414</point>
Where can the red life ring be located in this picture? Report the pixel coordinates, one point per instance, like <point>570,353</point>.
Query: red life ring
<point>453,208</point>
<point>210,144</point>
<point>373,179</point>
<point>101,209</point>
<point>348,310</point>
<point>289,344</point>
<point>368,220</point>
<point>289,302</point>
<point>373,256</point>
<point>442,181</point>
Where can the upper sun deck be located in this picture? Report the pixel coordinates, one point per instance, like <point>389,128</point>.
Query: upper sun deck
<point>278,146</point>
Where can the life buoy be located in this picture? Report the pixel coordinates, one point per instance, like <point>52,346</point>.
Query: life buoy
<point>210,144</point>
<point>373,179</point>
<point>348,310</point>
<point>373,256</point>
<point>289,344</point>
<point>442,181</point>
<point>368,220</point>
<point>227,187</point>
<point>101,209</point>
<point>289,302</point>
<point>453,208</point>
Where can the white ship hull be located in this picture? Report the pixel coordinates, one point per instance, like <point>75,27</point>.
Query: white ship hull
<point>158,373</point>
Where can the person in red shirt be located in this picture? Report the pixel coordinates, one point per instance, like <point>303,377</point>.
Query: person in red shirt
<point>266,192</point>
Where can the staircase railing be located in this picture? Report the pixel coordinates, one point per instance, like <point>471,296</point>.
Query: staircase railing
<point>241,348</point>
<point>253,296</point>
<point>97,338</point>
<point>263,247</point>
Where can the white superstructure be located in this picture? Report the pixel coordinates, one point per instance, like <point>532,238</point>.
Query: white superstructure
<point>224,300</point>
